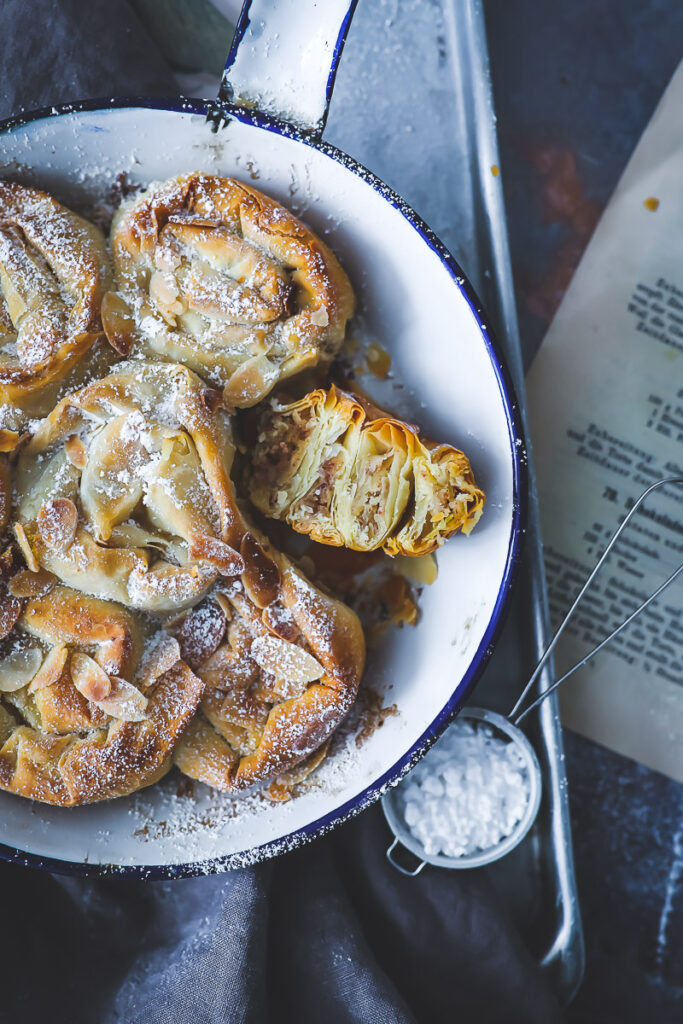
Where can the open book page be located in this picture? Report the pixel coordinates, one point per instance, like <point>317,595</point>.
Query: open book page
<point>606,413</point>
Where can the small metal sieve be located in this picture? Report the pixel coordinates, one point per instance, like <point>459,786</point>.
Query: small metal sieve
<point>508,726</point>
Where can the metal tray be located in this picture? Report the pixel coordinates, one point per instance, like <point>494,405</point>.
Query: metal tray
<point>421,116</point>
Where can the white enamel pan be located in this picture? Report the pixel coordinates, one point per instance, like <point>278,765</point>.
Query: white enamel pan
<point>416,302</point>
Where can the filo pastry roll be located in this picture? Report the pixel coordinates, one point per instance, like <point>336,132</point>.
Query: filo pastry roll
<point>345,473</point>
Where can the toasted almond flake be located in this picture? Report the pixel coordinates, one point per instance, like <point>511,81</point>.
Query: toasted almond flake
<point>261,576</point>
<point>165,294</point>
<point>31,584</point>
<point>201,633</point>
<point>75,451</point>
<point>217,553</point>
<point>320,317</point>
<point>118,323</point>
<point>285,661</point>
<point>51,669</point>
<point>9,439</point>
<point>211,399</point>
<point>19,667</point>
<point>57,523</point>
<point>89,678</point>
<point>26,549</point>
<point>224,604</point>
<point>159,659</point>
<point>124,702</point>
<point>280,621</point>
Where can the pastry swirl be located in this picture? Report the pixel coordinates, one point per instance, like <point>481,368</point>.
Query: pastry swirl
<point>124,490</point>
<point>279,680</point>
<point>54,270</point>
<point>82,717</point>
<point>213,274</point>
<point>349,475</point>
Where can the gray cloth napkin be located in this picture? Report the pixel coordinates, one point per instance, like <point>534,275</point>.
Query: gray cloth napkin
<point>328,933</point>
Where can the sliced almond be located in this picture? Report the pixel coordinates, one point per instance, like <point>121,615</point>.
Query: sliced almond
<point>201,633</point>
<point>320,317</point>
<point>280,621</point>
<point>51,669</point>
<point>10,610</point>
<point>223,602</point>
<point>250,382</point>
<point>211,399</point>
<point>284,660</point>
<point>165,294</point>
<point>9,439</point>
<point>75,451</point>
<point>57,523</point>
<point>19,667</point>
<point>89,678</point>
<point>26,549</point>
<point>158,659</point>
<point>124,702</point>
<point>261,576</point>
<point>31,584</point>
<point>217,553</point>
<point>118,323</point>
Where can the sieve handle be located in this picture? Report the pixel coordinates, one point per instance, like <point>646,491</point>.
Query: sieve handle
<point>391,857</point>
<point>517,714</point>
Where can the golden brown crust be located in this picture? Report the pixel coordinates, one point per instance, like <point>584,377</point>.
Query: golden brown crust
<point>130,467</point>
<point>54,270</point>
<point>123,498</point>
<point>339,469</point>
<point>107,763</point>
<point>60,747</point>
<point>250,730</point>
<point>227,282</point>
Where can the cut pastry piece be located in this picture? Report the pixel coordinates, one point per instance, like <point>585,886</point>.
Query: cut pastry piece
<point>347,474</point>
<point>278,683</point>
<point>124,490</point>
<point>213,274</point>
<point>54,270</point>
<point>76,723</point>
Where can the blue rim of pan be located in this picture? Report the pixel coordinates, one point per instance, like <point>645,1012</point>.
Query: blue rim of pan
<point>241,28</point>
<point>481,656</point>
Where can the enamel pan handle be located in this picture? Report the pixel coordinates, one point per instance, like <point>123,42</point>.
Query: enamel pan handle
<point>284,57</point>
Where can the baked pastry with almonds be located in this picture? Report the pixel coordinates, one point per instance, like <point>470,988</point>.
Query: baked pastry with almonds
<point>54,270</point>
<point>344,472</point>
<point>214,274</point>
<point>124,492</point>
<point>281,662</point>
<point>85,713</point>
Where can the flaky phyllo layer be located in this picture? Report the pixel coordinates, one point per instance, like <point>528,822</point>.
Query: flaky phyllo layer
<point>143,621</point>
<point>281,670</point>
<point>214,274</point>
<point>54,269</point>
<point>92,704</point>
<point>147,623</point>
<point>124,490</point>
<point>349,475</point>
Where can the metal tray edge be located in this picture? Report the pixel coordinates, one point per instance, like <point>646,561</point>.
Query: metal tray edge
<point>564,960</point>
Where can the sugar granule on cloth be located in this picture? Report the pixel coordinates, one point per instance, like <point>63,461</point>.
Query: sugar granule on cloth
<point>467,794</point>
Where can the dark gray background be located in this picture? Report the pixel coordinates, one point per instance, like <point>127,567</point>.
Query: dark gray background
<point>575,85</point>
